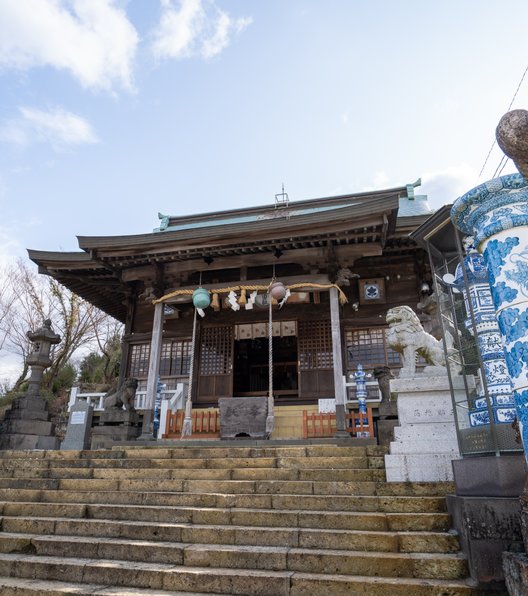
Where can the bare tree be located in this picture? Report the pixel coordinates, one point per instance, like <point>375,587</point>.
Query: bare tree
<point>28,299</point>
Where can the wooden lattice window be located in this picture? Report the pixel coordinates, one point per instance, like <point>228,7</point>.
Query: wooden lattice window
<point>369,347</point>
<point>216,356</point>
<point>315,345</point>
<point>138,361</point>
<point>175,358</point>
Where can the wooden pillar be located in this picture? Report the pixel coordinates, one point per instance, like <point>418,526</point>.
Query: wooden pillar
<point>339,388</point>
<point>153,372</point>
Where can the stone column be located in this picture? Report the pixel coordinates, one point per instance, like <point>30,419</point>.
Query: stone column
<point>496,213</point>
<point>339,388</point>
<point>153,373</point>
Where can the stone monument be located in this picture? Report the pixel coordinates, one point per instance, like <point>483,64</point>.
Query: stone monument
<point>425,441</point>
<point>27,424</point>
<point>243,417</point>
<point>119,421</point>
<point>79,427</point>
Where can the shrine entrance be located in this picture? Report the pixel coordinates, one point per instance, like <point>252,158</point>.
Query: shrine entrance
<point>251,366</point>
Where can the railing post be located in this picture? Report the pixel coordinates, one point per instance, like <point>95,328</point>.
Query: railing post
<point>73,397</point>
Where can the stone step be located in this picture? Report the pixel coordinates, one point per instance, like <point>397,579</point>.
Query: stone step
<point>234,556</point>
<point>260,483</point>
<point>220,580</point>
<point>302,585</point>
<point>35,587</point>
<point>146,575</point>
<point>362,462</point>
<point>199,452</point>
<point>292,487</point>
<point>301,487</point>
<point>306,537</point>
<point>320,474</point>
<point>386,504</point>
<point>432,522</point>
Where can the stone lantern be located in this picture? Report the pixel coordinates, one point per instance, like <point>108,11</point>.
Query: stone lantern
<point>27,424</point>
<point>40,358</point>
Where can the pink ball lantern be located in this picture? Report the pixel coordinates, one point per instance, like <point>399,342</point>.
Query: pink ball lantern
<point>277,290</point>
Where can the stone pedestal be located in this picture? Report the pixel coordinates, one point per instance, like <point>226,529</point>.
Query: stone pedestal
<point>27,425</point>
<point>243,417</point>
<point>387,421</point>
<point>486,512</point>
<point>79,427</point>
<point>115,426</point>
<point>425,441</point>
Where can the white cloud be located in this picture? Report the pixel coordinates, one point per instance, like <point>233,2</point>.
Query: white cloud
<point>57,127</point>
<point>445,186</point>
<point>194,28</point>
<point>381,179</point>
<point>92,39</point>
<point>10,246</point>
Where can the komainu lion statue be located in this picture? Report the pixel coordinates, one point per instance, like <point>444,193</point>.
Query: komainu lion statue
<point>124,396</point>
<point>407,336</point>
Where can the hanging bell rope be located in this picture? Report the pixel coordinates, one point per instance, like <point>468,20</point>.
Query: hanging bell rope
<point>187,421</point>
<point>270,418</point>
<point>201,299</point>
<point>297,286</point>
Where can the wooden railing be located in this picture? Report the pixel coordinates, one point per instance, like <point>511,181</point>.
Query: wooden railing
<point>324,425</point>
<point>205,424</point>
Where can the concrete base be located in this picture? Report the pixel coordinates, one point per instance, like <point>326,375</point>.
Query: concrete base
<point>490,476</point>
<point>516,573</point>
<point>487,526</point>
<point>425,441</point>
<point>115,427</point>
<point>27,425</point>
<point>486,513</point>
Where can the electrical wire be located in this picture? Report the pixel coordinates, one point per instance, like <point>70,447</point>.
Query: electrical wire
<point>495,140</point>
<point>501,164</point>
<point>502,168</point>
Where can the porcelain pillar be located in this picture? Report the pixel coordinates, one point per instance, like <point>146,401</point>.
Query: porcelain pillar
<point>480,311</point>
<point>496,213</point>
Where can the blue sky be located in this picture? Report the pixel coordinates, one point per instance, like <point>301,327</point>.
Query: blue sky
<point>112,111</point>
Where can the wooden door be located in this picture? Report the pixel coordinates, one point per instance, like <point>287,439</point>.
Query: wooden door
<point>316,364</point>
<point>215,365</point>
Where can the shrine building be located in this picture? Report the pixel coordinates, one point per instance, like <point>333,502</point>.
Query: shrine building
<point>344,261</point>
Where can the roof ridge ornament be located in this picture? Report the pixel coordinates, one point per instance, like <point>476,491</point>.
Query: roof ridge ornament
<point>282,201</point>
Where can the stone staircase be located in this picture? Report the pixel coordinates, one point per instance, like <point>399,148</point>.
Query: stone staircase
<point>261,520</point>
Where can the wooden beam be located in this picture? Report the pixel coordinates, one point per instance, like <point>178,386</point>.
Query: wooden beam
<point>270,235</point>
<point>294,279</point>
<point>345,254</point>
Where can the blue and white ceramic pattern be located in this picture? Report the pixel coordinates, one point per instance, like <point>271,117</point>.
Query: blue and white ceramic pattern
<point>478,300</point>
<point>496,213</point>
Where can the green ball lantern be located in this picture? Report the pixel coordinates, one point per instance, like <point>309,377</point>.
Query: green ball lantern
<point>201,298</point>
